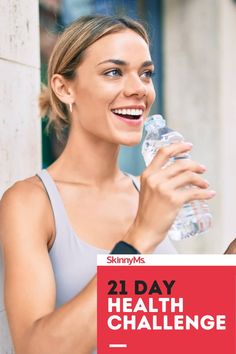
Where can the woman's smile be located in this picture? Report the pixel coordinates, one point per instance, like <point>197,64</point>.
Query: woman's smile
<point>131,115</point>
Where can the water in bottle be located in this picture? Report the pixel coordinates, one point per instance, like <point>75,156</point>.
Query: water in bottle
<point>194,218</point>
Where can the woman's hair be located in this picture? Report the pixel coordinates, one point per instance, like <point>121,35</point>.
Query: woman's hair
<point>68,54</point>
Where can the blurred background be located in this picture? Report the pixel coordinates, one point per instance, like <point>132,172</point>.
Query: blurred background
<point>194,49</point>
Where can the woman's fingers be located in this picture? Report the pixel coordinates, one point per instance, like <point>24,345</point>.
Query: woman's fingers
<point>191,194</point>
<point>187,178</point>
<point>165,153</point>
<point>183,165</point>
<point>181,189</point>
<point>178,175</point>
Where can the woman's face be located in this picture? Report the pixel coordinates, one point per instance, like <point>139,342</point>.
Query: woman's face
<point>113,89</point>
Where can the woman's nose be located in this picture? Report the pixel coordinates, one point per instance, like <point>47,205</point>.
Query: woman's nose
<point>135,86</point>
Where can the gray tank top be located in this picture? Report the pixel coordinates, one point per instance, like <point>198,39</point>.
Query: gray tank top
<point>73,260</point>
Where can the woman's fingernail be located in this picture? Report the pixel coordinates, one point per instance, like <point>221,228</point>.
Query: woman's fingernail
<point>212,193</point>
<point>203,167</point>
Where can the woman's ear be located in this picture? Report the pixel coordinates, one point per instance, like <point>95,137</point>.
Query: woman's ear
<point>62,89</point>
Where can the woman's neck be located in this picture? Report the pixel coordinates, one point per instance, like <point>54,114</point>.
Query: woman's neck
<point>87,159</point>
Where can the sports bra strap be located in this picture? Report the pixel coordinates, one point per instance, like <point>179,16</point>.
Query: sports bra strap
<point>135,180</point>
<point>57,205</point>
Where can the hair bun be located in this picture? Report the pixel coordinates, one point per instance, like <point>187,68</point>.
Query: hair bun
<point>44,101</point>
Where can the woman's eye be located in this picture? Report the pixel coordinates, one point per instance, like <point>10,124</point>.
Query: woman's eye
<point>148,74</point>
<point>113,72</point>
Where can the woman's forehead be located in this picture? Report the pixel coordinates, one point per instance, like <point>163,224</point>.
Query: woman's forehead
<point>122,44</point>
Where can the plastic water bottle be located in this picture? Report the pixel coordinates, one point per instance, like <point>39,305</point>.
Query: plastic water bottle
<point>194,218</point>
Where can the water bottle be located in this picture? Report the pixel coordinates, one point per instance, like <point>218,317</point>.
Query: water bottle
<point>194,218</point>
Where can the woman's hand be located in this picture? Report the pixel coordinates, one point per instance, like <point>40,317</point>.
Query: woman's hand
<point>163,193</point>
<point>232,248</point>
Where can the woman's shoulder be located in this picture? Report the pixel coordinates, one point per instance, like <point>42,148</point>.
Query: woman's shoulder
<point>26,203</point>
<point>24,191</point>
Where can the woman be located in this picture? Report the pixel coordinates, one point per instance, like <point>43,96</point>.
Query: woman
<point>53,225</point>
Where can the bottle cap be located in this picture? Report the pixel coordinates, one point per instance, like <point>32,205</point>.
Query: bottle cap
<point>156,121</point>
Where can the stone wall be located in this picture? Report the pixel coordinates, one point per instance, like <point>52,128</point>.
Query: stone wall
<point>20,133</point>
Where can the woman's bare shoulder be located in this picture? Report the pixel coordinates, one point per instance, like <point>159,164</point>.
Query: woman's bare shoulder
<point>29,190</point>
<point>26,202</point>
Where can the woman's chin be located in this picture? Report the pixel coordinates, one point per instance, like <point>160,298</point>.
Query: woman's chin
<point>126,138</point>
<point>131,141</point>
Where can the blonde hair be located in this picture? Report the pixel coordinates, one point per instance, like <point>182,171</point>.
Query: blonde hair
<point>68,54</point>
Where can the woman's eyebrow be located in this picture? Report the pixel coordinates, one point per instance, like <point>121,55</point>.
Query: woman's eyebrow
<point>122,62</point>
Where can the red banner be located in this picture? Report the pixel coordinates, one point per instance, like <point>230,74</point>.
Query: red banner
<point>186,309</point>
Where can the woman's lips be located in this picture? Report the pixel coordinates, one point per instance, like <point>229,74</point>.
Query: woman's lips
<point>129,121</point>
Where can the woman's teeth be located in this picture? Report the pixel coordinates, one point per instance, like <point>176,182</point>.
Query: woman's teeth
<point>129,113</point>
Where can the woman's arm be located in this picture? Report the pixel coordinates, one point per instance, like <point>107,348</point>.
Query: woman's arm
<point>36,326</point>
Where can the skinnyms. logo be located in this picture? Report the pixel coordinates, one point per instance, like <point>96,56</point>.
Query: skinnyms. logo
<point>125,260</point>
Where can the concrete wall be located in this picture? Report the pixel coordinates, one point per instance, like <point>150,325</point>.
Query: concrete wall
<point>20,136</point>
<point>200,101</point>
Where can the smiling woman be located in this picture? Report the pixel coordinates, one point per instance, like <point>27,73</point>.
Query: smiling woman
<point>108,79</point>
<point>54,224</point>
